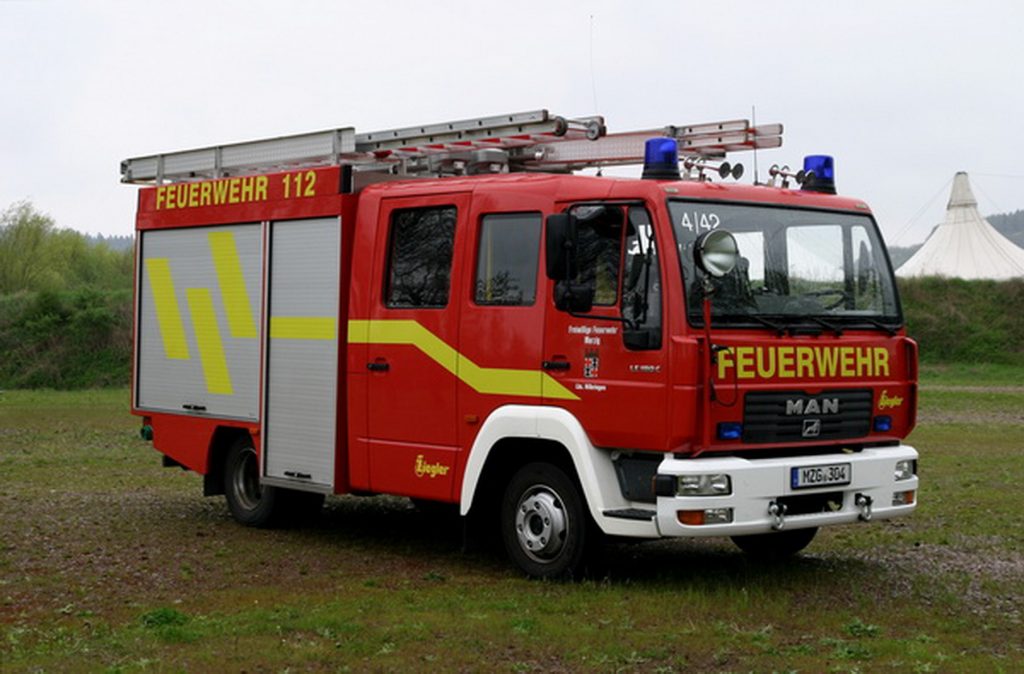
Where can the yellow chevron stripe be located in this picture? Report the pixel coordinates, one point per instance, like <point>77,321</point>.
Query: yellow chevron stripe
<point>232,284</point>
<point>168,316</point>
<point>494,381</point>
<point>211,348</point>
<point>303,327</point>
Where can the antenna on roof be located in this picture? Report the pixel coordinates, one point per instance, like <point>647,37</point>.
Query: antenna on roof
<point>593,79</point>
<point>753,120</point>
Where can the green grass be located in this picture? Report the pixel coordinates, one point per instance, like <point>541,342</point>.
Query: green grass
<point>972,374</point>
<point>109,562</point>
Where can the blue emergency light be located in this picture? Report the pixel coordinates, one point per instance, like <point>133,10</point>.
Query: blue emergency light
<point>883,423</point>
<point>661,159</point>
<point>824,178</point>
<point>730,430</point>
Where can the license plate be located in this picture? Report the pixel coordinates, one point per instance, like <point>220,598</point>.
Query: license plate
<point>820,476</point>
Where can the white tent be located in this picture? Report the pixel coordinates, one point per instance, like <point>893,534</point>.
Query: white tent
<point>965,245</point>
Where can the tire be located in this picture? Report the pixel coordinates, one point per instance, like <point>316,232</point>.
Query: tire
<point>544,524</point>
<point>776,545</point>
<point>256,505</point>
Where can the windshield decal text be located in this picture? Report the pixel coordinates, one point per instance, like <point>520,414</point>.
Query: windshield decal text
<point>699,222</point>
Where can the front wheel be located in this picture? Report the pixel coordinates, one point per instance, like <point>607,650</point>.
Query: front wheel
<point>544,525</point>
<point>776,545</point>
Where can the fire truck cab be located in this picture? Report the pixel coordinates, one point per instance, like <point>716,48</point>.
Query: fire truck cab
<point>449,313</point>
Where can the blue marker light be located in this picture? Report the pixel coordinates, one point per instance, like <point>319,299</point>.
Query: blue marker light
<point>883,423</point>
<point>824,179</point>
<point>661,159</point>
<point>730,430</point>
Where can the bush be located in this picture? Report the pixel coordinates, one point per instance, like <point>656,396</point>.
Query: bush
<point>68,339</point>
<point>965,321</point>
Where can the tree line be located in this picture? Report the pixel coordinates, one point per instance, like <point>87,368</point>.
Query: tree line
<point>36,255</point>
<point>65,305</point>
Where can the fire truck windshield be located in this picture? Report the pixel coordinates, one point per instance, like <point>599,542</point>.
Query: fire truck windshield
<point>796,266</point>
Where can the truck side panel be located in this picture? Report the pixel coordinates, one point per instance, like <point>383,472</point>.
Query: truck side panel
<point>301,376</point>
<point>199,321</point>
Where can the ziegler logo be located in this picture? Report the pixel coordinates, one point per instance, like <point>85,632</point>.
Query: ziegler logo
<point>432,469</point>
<point>801,406</point>
<point>885,401</point>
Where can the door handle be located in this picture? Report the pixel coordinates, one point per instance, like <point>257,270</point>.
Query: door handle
<point>378,367</point>
<point>555,365</point>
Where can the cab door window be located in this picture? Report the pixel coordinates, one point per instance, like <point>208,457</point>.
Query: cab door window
<point>641,283</point>
<point>599,250</point>
<point>618,259</point>
<point>507,259</point>
<point>420,257</point>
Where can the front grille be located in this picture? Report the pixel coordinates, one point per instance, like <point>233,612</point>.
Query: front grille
<point>810,417</point>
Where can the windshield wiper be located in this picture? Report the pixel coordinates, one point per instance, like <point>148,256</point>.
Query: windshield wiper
<point>826,324</point>
<point>779,329</point>
<point>881,326</point>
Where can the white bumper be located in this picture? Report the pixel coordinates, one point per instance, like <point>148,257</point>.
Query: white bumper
<point>758,483</point>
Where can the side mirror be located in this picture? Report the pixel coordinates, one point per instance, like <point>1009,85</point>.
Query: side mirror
<point>576,298</point>
<point>716,252</point>
<point>560,246</point>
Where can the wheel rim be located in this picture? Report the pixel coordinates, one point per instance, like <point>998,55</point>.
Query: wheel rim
<point>541,523</point>
<point>246,481</point>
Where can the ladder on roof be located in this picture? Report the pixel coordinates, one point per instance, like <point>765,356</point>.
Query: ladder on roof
<point>525,141</point>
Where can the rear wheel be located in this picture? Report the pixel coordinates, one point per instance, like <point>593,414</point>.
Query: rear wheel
<point>776,545</point>
<point>257,505</point>
<point>544,525</point>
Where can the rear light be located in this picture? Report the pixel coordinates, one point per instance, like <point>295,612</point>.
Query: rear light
<point>146,432</point>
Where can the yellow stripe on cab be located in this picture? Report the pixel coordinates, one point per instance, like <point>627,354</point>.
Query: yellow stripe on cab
<point>492,381</point>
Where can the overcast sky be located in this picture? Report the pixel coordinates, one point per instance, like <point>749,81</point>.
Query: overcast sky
<point>903,94</point>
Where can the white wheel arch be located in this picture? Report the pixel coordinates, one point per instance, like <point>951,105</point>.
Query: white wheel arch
<point>593,466</point>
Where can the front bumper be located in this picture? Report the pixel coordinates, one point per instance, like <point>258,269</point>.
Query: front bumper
<point>760,486</point>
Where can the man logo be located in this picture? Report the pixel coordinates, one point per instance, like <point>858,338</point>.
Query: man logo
<point>812,428</point>
<point>801,406</point>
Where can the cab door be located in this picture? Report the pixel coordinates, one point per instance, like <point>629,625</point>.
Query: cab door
<point>612,357</point>
<point>412,346</point>
<point>501,339</point>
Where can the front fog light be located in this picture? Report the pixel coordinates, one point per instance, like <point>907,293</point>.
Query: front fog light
<point>696,518</point>
<point>905,469</point>
<point>705,485</point>
<point>902,498</point>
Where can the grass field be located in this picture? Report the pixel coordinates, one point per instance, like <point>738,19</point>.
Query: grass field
<point>110,562</point>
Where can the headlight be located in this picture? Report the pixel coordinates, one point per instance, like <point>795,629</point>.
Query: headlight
<point>905,469</point>
<point>717,484</point>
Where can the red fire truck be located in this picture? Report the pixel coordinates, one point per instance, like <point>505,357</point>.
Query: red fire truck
<point>451,313</point>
